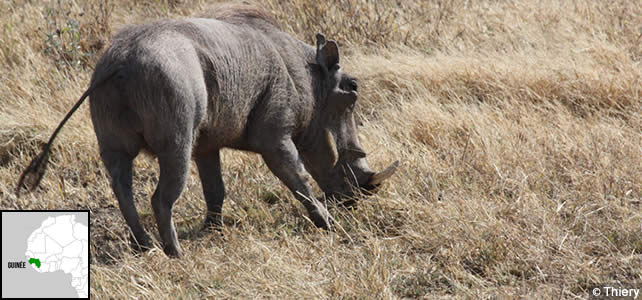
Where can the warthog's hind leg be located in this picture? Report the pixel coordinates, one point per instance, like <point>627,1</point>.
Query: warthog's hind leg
<point>119,166</point>
<point>174,165</point>
<point>209,169</point>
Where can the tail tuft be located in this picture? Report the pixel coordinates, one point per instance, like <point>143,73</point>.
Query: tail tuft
<point>31,176</point>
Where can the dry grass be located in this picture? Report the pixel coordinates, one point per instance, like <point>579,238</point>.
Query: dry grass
<point>519,125</point>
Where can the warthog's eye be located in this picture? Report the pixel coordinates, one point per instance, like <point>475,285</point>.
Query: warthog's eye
<point>353,85</point>
<point>349,84</point>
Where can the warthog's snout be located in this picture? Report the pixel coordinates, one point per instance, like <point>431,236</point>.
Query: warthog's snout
<point>369,185</point>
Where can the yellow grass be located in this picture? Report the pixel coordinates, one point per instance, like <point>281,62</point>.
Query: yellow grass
<point>518,125</point>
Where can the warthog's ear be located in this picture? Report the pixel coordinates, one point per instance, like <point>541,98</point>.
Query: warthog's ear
<point>327,53</point>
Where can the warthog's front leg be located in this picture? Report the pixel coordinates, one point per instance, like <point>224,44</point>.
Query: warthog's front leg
<point>285,163</point>
<point>209,169</point>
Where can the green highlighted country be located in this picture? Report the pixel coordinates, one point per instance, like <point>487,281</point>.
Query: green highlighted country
<point>35,261</point>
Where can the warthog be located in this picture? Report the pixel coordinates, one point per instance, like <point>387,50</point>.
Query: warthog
<point>184,89</point>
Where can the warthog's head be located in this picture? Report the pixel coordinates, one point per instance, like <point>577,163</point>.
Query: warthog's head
<point>334,156</point>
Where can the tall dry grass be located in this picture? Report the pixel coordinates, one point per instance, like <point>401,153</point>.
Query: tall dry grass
<point>518,125</point>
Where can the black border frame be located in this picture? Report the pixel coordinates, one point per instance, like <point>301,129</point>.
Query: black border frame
<point>88,237</point>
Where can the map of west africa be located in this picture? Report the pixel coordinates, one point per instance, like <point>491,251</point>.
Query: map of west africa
<point>57,249</point>
<point>58,245</point>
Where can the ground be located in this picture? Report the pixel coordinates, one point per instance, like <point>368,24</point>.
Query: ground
<point>518,126</point>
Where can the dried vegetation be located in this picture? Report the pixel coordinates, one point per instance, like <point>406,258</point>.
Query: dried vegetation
<point>518,124</point>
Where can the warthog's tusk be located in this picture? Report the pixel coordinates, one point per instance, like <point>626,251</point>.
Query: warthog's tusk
<point>332,147</point>
<point>379,177</point>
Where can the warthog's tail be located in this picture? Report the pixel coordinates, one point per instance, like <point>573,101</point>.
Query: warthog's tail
<point>31,176</point>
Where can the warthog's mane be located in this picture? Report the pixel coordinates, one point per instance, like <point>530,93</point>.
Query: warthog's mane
<point>238,13</point>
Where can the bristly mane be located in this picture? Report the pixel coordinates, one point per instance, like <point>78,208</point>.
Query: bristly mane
<point>238,13</point>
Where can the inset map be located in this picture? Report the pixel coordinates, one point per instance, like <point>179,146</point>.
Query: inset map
<point>47,247</point>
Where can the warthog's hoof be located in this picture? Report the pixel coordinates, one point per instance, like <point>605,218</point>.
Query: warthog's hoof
<point>173,251</point>
<point>213,223</point>
<point>348,203</point>
<point>141,245</point>
<point>322,220</point>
